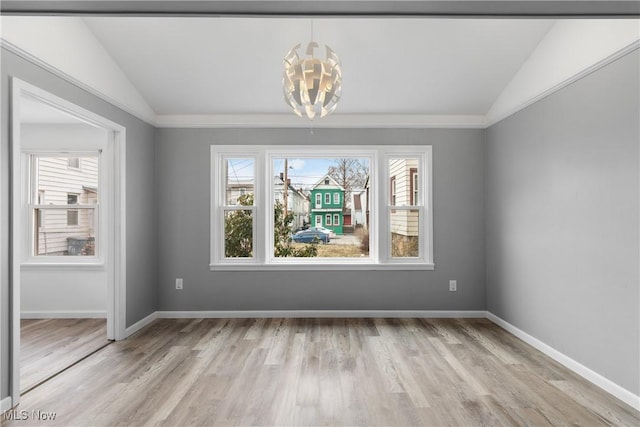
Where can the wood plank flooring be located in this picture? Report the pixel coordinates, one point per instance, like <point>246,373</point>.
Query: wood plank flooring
<point>48,346</point>
<point>322,372</point>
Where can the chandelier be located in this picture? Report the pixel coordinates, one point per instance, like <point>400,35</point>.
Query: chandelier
<point>312,86</point>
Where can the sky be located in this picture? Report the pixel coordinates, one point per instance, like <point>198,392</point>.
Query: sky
<point>304,172</point>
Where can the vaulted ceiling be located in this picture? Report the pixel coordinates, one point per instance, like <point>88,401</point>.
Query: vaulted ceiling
<point>397,70</point>
<point>396,66</point>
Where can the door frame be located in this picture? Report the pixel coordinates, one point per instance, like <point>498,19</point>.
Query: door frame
<point>116,269</point>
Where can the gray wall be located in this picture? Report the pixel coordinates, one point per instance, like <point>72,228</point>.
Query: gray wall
<point>140,194</point>
<point>183,177</point>
<point>563,219</point>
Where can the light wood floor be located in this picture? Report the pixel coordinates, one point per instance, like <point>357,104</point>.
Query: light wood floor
<point>330,372</point>
<point>47,346</point>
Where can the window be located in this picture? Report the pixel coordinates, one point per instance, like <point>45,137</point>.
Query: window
<point>393,190</point>
<point>414,186</point>
<point>238,211</point>
<point>65,224</point>
<point>72,214</point>
<point>256,225</point>
<point>406,226</point>
<point>73,162</point>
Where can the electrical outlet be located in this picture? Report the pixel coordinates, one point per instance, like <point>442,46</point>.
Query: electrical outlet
<point>453,285</point>
<point>179,283</point>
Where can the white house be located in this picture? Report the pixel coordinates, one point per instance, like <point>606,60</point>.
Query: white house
<point>297,201</point>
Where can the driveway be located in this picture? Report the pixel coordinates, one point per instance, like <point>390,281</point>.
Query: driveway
<point>345,239</point>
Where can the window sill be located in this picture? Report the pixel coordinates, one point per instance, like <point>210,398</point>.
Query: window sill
<point>320,267</point>
<point>62,266</point>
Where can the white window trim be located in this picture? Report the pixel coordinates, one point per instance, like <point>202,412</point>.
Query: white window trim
<point>336,198</point>
<point>327,219</point>
<point>327,198</point>
<point>263,259</point>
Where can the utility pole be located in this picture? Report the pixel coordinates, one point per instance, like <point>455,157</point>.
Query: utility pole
<point>285,195</point>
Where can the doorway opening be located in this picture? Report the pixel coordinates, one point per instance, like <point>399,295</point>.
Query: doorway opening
<point>68,229</point>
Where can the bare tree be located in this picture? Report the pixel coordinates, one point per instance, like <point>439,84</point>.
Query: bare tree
<point>350,173</point>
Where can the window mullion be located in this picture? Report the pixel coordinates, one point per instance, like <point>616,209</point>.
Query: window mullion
<point>261,225</point>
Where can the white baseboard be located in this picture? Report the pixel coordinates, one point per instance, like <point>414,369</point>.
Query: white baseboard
<point>5,404</point>
<point>54,314</point>
<point>140,324</point>
<point>604,383</point>
<point>320,313</point>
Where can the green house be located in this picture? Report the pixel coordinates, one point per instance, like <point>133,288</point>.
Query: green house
<point>327,201</point>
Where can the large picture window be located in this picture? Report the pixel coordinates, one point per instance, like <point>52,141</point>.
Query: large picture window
<point>298,207</point>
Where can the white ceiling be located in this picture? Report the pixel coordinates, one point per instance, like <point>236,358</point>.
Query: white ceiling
<point>214,66</point>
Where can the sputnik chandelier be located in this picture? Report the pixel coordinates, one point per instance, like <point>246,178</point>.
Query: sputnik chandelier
<point>312,86</point>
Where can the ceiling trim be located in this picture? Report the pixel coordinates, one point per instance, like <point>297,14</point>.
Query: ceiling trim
<point>363,8</point>
<point>335,120</point>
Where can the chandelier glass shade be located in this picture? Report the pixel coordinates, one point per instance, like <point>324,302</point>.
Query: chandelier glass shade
<point>312,86</point>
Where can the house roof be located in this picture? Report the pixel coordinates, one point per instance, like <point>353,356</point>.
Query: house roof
<point>320,183</point>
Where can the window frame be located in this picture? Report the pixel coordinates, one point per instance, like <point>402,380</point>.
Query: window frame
<point>327,199</point>
<point>219,206</point>
<point>263,240</point>
<point>33,203</point>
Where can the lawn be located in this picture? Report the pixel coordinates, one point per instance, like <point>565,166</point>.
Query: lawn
<point>333,251</point>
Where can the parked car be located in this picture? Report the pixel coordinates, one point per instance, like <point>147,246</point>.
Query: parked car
<point>331,233</point>
<point>310,236</point>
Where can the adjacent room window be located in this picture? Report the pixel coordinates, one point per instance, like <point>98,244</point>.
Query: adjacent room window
<point>65,224</point>
<point>267,202</point>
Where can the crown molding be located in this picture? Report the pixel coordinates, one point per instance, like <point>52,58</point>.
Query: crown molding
<point>335,120</point>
